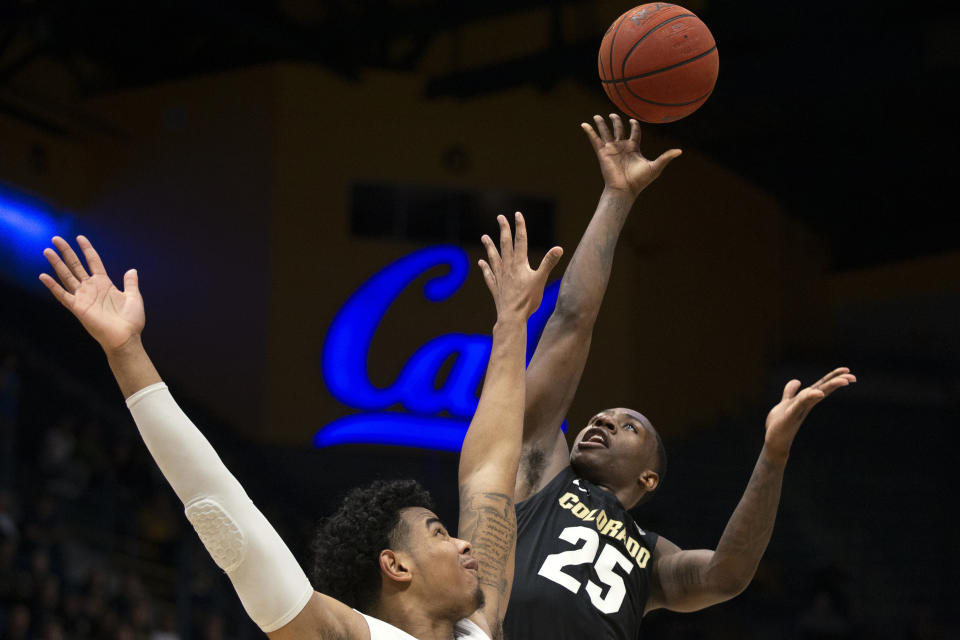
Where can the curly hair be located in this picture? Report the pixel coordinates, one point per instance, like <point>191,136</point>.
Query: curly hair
<point>347,544</point>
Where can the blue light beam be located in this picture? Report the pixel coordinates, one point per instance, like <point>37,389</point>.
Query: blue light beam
<point>26,226</point>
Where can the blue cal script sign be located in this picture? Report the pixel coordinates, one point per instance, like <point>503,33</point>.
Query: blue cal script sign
<point>347,348</point>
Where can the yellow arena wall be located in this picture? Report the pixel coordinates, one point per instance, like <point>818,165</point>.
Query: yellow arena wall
<point>231,193</point>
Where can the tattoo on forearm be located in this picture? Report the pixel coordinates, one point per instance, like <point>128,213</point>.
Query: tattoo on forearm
<point>586,277</point>
<point>605,243</point>
<point>489,522</point>
<point>747,533</point>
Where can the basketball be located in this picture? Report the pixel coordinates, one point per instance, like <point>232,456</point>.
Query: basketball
<point>658,62</point>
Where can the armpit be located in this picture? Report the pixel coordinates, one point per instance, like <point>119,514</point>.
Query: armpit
<point>533,462</point>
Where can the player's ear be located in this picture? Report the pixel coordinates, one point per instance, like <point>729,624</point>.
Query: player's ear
<point>394,565</point>
<point>649,480</point>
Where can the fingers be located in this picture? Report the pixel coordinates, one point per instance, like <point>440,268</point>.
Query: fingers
<point>63,272</point>
<point>635,131</point>
<point>595,140</point>
<point>839,377</point>
<point>666,158</point>
<point>790,390</point>
<point>493,258</point>
<point>832,385</point>
<point>617,126</point>
<point>833,374</point>
<point>602,128</point>
<point>805,401</point>
<point>549,262</point>
<point>488,277</point>
<point>520,242</point>
<point>70,258</point>
<point>506,239</point>
<point>602,134</point>
<point>58,292</point>
<point>131,282</point>
<point>91,255</point>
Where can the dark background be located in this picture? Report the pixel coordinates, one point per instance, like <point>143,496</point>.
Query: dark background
<point>844,112</point>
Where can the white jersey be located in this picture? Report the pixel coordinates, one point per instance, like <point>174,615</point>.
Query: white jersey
<point>380,630</point>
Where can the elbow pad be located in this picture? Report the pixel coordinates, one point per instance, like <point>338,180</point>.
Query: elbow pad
<point>271,584</point>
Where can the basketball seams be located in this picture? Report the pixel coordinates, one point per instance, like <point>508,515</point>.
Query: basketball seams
<point>667,68</point>
<point>685,103</point>
<point>671,104</point>
<point>613,38</point>
<point>674,82</point>
<point>623,65</point>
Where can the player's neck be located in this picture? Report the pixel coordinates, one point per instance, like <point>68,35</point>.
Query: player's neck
<point>627,497</point>
<point>414,618</point>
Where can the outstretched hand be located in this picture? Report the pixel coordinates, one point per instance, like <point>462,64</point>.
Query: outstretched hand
<point>785,419</point>
<point>111,316</point>
<point>516,288</point>
<point>623,166</point>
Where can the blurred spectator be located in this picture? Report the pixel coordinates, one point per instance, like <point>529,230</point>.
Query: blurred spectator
<point>85,516</point>
<point>213,628</point>
<point>58,445</point>
<point>924,625</point>
<point>827,615</point>
<point>159,523</point>
<point>42,528</point>
<point>66,474</point>
<point>18,623</point>
<point>8,516</point>
<point>9,403</point>
<point>77,623</point>
<point>52,629</point>
<point>92,450</point>
<point>166,628</point>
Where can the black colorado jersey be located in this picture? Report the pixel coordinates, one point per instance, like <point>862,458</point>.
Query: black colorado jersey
<point>583,565</point>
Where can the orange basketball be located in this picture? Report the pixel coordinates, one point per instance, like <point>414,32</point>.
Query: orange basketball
<point>658,62</point>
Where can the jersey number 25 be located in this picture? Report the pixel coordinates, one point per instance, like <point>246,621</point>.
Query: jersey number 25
<point>610,557</point>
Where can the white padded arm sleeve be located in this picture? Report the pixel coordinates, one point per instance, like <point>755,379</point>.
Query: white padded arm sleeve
<point>271,585</point>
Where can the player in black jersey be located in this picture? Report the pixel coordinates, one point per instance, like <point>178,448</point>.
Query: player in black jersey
<point>584,568</point>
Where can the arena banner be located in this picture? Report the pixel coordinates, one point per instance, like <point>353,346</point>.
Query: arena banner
<point>431,416</point>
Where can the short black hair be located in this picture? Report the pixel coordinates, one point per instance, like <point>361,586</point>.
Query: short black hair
<point>347,544</point>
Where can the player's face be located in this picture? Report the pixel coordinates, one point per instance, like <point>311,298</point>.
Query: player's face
<point>445,571</point>
<point>614,448</point>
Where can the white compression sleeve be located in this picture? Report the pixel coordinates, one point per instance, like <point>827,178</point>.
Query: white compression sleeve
<point>271,585</point>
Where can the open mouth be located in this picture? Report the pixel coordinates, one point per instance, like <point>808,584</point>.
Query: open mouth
<point>594,438</point>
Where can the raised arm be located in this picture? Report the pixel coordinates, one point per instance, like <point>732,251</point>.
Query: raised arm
<point>491,448</point>
<point>557,364</point>
<point>270,583</point>
<point>695,579</point>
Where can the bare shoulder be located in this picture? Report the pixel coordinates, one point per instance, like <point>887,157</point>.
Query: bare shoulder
<point>324,618</point>
<point>663,549</point>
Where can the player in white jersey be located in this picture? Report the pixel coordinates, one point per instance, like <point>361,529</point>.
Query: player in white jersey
<point>427,584</point>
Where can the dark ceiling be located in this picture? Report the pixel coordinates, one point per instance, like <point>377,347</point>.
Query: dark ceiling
<point>845,111</point>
